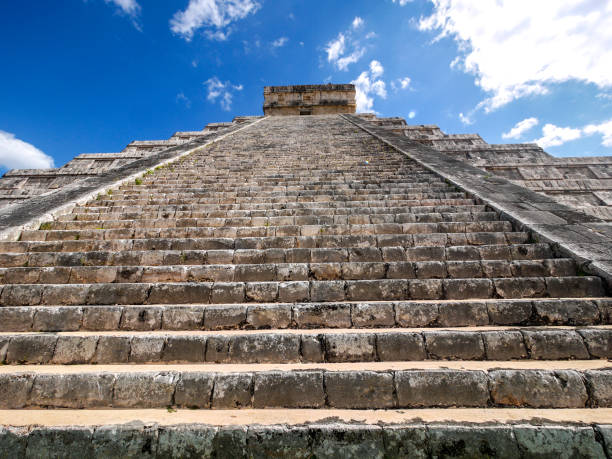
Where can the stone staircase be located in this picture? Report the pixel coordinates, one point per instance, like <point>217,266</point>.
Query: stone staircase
<point>298,289</point>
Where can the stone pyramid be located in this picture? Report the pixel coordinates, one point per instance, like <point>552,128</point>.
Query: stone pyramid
<point>303,286</point>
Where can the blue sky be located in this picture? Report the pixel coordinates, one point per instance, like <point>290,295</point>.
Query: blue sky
<point>90,76</point>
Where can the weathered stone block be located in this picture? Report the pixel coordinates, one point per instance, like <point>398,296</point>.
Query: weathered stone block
<point>473,441</point>
<point>293,292</point>
<point>144,390</point>
<point>233,390</point>
<point>504,345</point>
<point>224,317</point>
<point>72,390</point>
<point>455,345</point>
<point>598,342</point>
<point>101,317</point>
<point>350,347</point>
<point>463,314</point>
<point>558,442</point>
<point>60,442</point>
<point>272,316</point>
<point>504,312</point>
<point>359,389</point>
<point>350,441</point>
<point>14,390</point>
<point>416,314</point>
<point>441,388</point>
<point>322,315</point>
<point>183,317</point>
<point>288,389</point>
<point>262,291</point>
<point>184,349</point>
<point>567,312</point>
<point>400,347</point>
<point>185,293</point>
<point>74,349</point>
<point>194,390</point>
<point>600,387</point>
<point>538,388</point>
<point>119,441</point>
<point>35,349</point>
<point>406,441</point>
<point>57,319</point>
<point>555,344</point>
<point>227,292</point>
<point>279,441</point>
<point>327,291</point>
<point>425,289</point>
<point>112,349</point>
<point>186,441</point>
<point>373,315</point>
<point>146,349</point>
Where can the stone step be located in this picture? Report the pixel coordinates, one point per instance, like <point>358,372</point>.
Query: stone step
<point>307,346</point>
<point>370,385</point>
<point>186,211</point>
<point>513,252</point>
<point>303,316</point>
<point>269,231</point>
<point>246,190</point>
<point>242,186</point>
<point>306,433</point>
<point>412,203</point>
<point>363,219</point>
<point>281,272</point>
<point>300,291</point>
<point>170,198</point>
<point>424,245</point>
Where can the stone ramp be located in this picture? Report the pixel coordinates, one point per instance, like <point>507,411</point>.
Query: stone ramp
<point>300,268</point>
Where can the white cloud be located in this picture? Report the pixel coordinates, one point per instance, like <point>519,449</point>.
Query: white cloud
<point>357,22</point>
<point>402,2</point>
<point>553,136</point>
<point>345,61</point>
<point>412,114</point>
<point>17,154</point>
<point>367,85</point>
<point>335,48</point>
<point>605,129</point>
<point>129,7</point>
<point>376,69</point>
<point>520,128</point>
<point>182,98</point>
<point>212,14</point>
<point>221,91</point>
<point>517,48</point>
<point>404,82</point>
<point>280,42</point>
<point>345,49</point>
<point>466,119</point>
<point>370,35</point>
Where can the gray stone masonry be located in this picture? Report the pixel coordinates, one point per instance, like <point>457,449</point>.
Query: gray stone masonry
<point>303,286</point>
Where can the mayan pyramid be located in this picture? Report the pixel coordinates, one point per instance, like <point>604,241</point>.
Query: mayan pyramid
<point>309,283</point>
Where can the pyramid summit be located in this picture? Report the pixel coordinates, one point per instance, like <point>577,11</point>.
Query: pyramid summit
<point>308,283</point>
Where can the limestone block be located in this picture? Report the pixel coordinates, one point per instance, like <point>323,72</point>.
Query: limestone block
<point>441,388</point>
<point>233,390</point>
<point>278,389</point>
<point>538,388</point>
<point>359,389</point>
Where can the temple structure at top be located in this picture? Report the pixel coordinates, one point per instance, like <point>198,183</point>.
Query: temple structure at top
<point>309,99</point>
